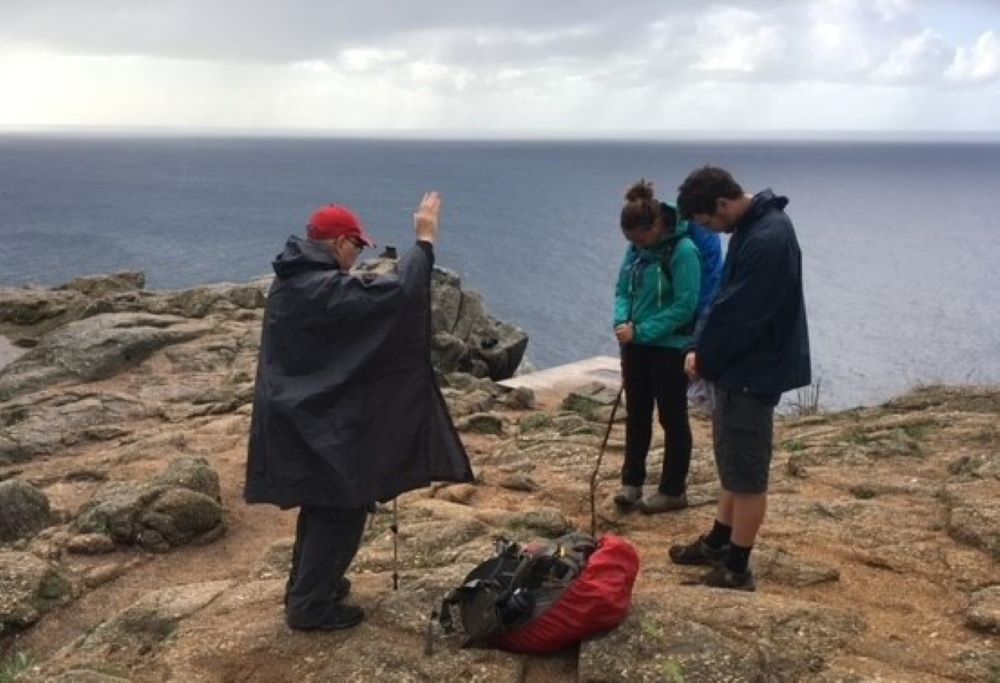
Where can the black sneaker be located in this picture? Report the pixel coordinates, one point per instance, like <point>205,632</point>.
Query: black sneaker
<point>724,577</point>
<point>338,617</point>
<point>699,553</point>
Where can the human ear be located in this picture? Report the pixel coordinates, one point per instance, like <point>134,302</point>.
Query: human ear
<point>333,246</point>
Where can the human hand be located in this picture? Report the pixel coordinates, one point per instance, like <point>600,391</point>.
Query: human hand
<point>425,220</point>
<point>625,333</point>
<point>691,365</point>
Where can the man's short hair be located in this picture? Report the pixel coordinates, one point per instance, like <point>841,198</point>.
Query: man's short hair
<point>700,190</point>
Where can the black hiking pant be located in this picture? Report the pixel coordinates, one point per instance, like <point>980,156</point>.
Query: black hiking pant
<point>326,541</point>
<point>656,374</point>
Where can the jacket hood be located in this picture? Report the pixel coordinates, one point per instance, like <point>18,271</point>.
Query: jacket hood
<point>762,202</point>
<point>300,255</point>
<point>683,227</point>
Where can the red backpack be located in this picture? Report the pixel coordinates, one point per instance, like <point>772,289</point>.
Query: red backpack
<point>545,596</point>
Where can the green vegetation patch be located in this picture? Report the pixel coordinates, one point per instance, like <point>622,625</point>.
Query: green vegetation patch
<point>13,666</point>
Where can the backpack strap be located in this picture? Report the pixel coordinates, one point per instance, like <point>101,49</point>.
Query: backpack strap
<point>477,601</point>
<point>478,597</point>
<point>667,257</point>
<point>667,270</point>
<point>574,551</point>
<point>554,562</point>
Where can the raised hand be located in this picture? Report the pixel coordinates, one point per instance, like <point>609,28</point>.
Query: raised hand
<point>425,220</point>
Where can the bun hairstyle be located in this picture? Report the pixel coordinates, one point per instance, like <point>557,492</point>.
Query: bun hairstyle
<point>643,210</point>
<point>641,191</point>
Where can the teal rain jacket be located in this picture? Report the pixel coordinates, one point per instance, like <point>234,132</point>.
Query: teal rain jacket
<point>661,306</point>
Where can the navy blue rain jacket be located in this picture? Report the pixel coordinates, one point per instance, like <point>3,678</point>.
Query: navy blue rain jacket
<point>754,338</point>
<point>346,410</point>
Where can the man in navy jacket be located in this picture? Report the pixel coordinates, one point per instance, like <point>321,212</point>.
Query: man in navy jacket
<point>346,411</point>
<point>753,344</point>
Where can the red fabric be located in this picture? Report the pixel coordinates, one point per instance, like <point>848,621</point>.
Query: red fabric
<point>597,601</point>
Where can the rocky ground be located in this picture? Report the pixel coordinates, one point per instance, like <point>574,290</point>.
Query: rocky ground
<point>126,552</point>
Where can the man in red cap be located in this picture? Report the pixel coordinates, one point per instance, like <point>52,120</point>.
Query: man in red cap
<point>346,411</point>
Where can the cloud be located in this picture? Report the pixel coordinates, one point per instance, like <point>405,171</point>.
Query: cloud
<point>267,31</point>
<point>736,40</point>
<point>583,66</point>
<point>978,64</point>
<point>923,58</point>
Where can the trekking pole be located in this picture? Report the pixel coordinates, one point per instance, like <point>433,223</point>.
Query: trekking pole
<point>600,457</point>
<point>395,546</point>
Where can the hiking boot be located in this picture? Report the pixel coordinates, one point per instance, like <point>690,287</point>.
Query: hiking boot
<point>724,577</point>
<point>628,496</point>
<point>661,502</point>
<point>339,616</point>
<point>698,552</point>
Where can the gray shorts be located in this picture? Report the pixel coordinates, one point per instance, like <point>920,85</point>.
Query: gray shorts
<point>743,436</point>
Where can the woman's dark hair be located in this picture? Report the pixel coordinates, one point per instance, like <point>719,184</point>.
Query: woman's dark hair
<point>700,190</point>
<point>643,210</point>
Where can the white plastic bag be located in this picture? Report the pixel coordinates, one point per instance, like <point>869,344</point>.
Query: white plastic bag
<point>701,396</point>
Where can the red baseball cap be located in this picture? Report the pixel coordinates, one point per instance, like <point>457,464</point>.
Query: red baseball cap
<point>333,221</point>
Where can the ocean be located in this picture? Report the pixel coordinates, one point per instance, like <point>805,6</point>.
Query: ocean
<point>898,238</point>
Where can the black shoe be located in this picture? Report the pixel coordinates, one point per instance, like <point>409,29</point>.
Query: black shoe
<point>339,616</point>
<point>698,552</point>
<point>724,577</point>
<point>341,592</point>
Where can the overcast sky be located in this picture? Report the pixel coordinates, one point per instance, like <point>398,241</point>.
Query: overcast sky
<point>585,67</point>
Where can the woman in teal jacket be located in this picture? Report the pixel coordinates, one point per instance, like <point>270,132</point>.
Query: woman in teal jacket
<point>656,299</point>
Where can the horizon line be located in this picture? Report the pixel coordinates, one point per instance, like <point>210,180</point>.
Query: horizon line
<point>540,135</point>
